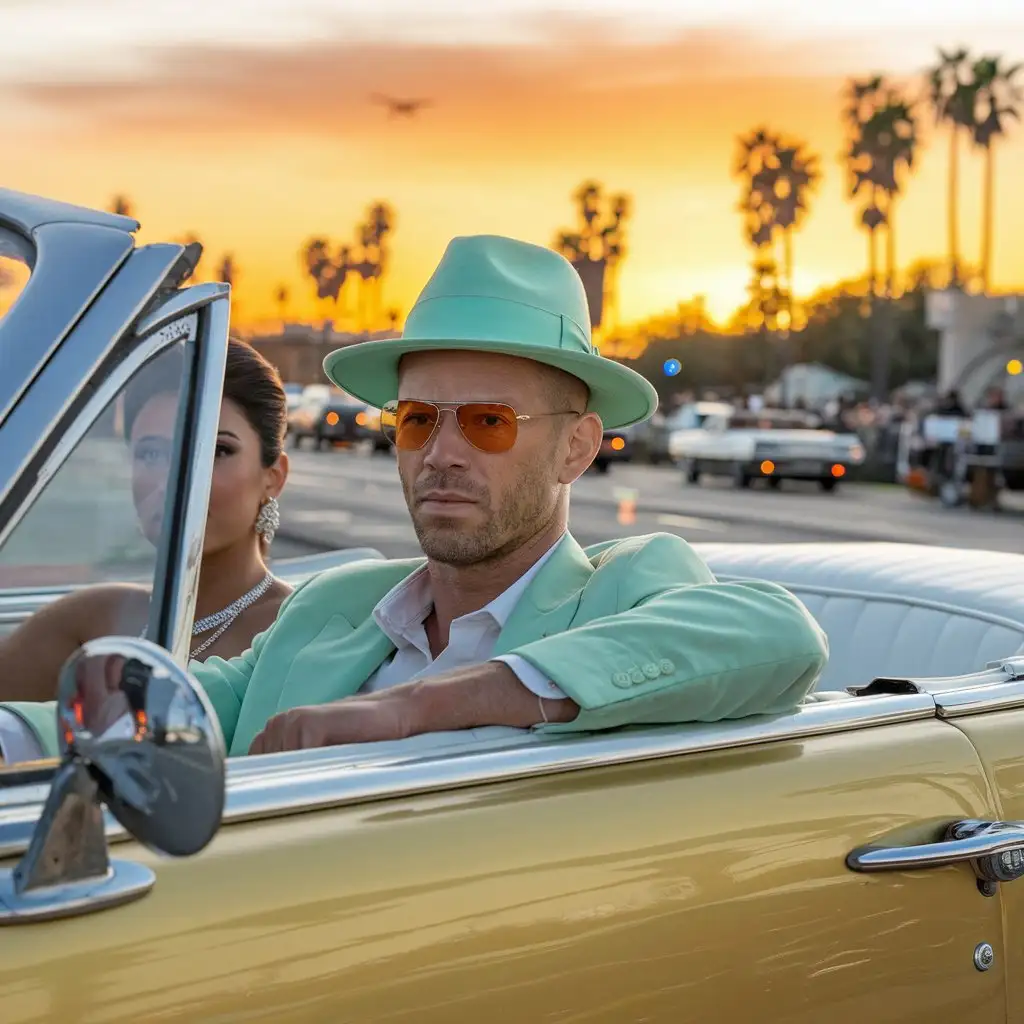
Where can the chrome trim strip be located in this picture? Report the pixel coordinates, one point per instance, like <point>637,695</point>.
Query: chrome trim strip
<point>74,365</point>
<point>103,395</point>
<point>975,700</point>
<point>293,783</point>
<point>73,263</point>
<point>179,558</point>
<point>179,304</point>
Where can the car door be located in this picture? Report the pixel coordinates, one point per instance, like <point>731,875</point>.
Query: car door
<point>992,718</point>
<point>682,874</point>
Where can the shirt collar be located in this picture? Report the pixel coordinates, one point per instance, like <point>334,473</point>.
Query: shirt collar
<point>400,613</point>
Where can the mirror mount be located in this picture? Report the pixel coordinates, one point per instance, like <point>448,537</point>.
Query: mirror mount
<point>139,736</point>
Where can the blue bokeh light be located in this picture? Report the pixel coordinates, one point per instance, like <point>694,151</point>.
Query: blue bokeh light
<point>672,367</point>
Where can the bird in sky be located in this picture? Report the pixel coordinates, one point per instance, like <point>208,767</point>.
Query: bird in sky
<point>400,107</point>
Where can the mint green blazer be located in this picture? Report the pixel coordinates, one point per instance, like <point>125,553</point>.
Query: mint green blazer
<point>634,631</point>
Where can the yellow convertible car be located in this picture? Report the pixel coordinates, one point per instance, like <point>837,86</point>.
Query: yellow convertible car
<point>858,859</point>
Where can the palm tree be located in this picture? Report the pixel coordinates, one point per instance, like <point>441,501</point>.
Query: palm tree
<point>996,97</point>
<point>227,271</point>
<point>329,272</point>
<point>952,97</point>
<point>281,297</point>
<point>883,154</point>
<point>122,206</point>
<point>597,247</point>
<point>779,176</point>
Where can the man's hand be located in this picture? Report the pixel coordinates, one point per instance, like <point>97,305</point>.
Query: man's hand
<point>466,698</point>
<point>366,719</point>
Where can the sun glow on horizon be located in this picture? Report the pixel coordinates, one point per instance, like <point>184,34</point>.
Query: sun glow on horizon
<point>263,144</point>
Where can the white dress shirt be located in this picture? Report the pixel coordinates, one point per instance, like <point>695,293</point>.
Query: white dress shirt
<point>400,614</point>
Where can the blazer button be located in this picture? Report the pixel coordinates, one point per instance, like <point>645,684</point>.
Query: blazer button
<point>622,680</point>
<point>651,670</point>
<point>667,667</point>
<point>637,676</point>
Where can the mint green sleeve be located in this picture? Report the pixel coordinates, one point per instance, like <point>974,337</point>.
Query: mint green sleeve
<point>682,647</point>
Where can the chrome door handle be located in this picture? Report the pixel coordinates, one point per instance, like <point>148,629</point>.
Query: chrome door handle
<point>995,850</point>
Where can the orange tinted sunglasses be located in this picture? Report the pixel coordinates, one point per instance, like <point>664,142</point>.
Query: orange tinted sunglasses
<point>491,427</point>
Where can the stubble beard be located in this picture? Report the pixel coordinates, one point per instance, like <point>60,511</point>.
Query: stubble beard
<point>454,541</point>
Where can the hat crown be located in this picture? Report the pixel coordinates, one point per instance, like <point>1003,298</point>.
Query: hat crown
<point>498,287</point>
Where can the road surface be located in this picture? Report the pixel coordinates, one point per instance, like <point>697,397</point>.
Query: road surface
<point>346,498</point>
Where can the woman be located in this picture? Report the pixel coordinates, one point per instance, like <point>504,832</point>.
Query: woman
<point>238,595</point>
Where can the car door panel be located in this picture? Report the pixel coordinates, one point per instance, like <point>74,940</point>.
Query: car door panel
<point>708,886</point>
<point>997,736</point>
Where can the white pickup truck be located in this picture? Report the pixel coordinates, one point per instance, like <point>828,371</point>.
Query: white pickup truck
<point>770,444</point>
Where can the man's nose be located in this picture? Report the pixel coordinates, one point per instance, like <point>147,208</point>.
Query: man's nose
<point>448,447</point>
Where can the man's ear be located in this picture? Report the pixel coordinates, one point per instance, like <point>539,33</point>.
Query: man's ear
<point>584,445</point>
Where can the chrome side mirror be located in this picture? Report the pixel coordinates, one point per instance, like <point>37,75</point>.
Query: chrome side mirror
<point>137,735</point>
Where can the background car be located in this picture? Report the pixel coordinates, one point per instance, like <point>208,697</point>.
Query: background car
<point>331,416</point>
<point>770,444</point>
<point>616,446</point>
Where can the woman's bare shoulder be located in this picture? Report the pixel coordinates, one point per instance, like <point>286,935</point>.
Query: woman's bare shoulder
<point>102,607</point>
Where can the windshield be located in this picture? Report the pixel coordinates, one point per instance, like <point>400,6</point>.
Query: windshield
<point>99,518</point>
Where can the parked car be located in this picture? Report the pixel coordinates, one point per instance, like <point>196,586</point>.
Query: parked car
<point>858,858</point>
<point>771,445</point>
<point>616,446</point>
<point>330,416</point>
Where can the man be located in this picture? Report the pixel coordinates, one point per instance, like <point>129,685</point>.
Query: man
<point>496,401</point>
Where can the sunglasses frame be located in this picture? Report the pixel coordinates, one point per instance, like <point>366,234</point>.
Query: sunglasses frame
<point>391,408</point>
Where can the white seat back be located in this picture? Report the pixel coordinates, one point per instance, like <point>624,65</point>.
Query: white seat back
<point>893,609</point>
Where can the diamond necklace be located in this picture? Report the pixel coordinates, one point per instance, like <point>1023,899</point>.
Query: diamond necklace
<point>222,619</point>
<point>225,616</point>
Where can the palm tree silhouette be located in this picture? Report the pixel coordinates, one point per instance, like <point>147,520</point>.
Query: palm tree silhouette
<point>996,97</point>
<point>122,206</point>
<point>227,271</point>
<point>952,97</point>
<point>331,271</point>
<point>597,247</point>
<point>281,298</point>
<point>778,177</point>
<point>883,143</point>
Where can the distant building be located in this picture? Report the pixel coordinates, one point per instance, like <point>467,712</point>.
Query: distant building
<point>978,336</point>
<point>813,385</point>
<point>298,350</point>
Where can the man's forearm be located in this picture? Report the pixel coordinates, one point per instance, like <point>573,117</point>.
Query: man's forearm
<point>481,695</point>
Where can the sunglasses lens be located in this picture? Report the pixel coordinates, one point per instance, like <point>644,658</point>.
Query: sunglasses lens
<point>490,427</point>
<point>408,425</point>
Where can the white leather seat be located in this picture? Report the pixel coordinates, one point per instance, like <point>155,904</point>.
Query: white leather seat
<point>893,609</point>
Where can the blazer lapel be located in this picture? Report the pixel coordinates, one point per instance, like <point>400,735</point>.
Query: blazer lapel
<point>550,602</point>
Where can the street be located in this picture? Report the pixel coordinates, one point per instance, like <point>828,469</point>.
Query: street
<point>348,498</point>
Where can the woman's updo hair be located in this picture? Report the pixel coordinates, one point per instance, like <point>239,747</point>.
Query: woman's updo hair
<point>250,381</point>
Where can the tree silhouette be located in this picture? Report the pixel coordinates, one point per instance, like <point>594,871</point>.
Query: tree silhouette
<point>122,206</point>
<point>778,176</point>
<point>597,247</point>
<point>330,266</point>
<point>952,96</point>
<point>227,272</point>
<point>997,96</point>
<point>882,146</point>
<point>281,298</point>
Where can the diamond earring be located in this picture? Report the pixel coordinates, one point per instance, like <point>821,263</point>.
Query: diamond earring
<point>269,519</point>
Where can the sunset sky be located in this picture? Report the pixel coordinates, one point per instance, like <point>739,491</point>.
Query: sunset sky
<point>249,122</point>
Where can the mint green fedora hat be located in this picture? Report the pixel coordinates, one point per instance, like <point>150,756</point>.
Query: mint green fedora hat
<point>496,294</point>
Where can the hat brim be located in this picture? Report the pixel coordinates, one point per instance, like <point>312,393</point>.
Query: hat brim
<point>619,395</point>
